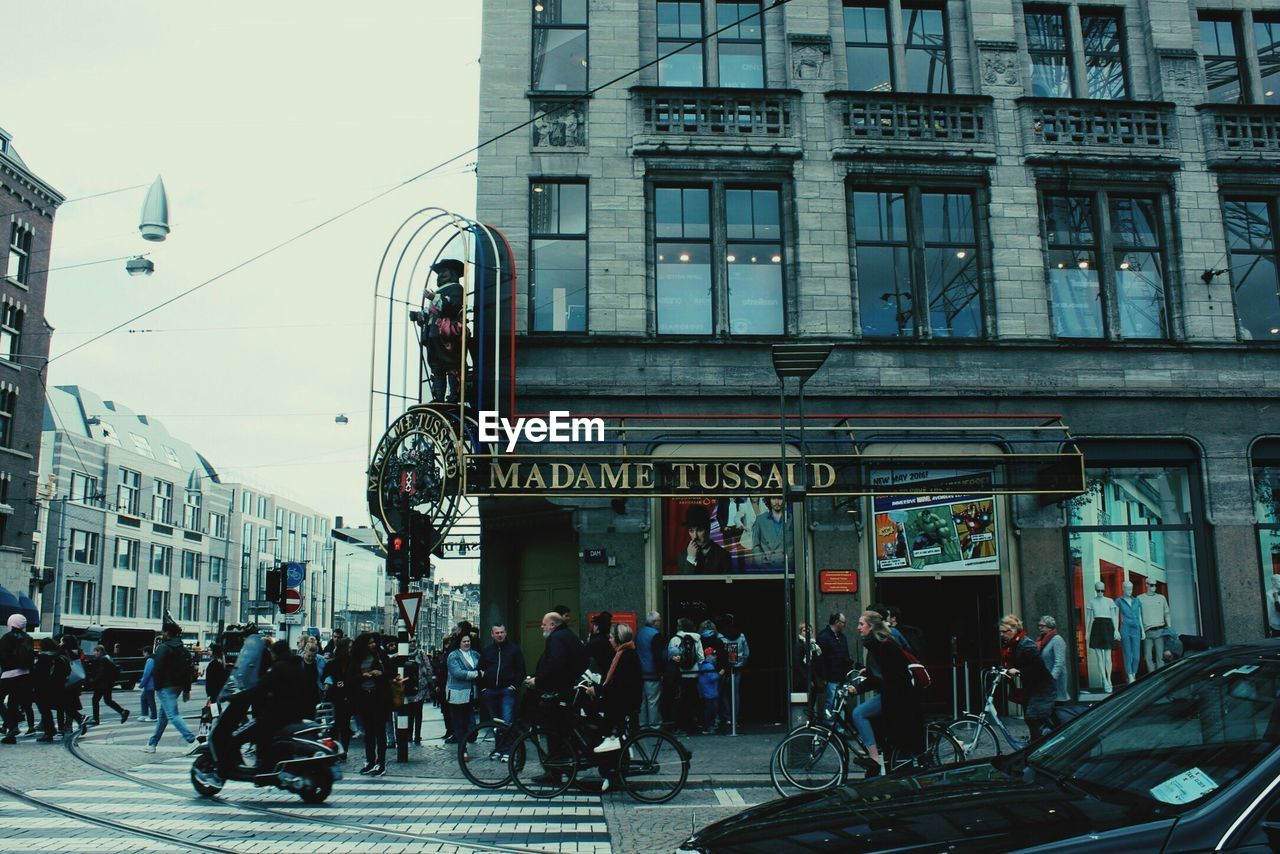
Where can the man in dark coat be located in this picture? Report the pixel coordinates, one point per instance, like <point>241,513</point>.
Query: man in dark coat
<point>563,659</point>
<point>834,662</point>
<point>502,664</point>
<point>561,664</point>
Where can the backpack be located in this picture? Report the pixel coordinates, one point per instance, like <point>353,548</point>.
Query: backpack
<point>177,667</point>
<point>22,654</point>
<point>734,654</point>
<point>44,673</point>
<point>919,675</point>
<point>688,653</point>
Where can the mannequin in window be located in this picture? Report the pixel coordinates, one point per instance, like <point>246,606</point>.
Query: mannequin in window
<point>1131,630</point>
<point>1100,617</point>
<point>1155,619</point>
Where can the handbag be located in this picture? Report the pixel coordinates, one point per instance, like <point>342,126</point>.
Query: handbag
<point>77,676</point>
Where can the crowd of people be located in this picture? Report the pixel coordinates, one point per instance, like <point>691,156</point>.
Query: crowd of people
<point>687,680</point>
<point>49,677</point>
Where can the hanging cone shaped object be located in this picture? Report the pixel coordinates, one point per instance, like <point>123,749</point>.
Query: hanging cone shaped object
<point>155,213</point>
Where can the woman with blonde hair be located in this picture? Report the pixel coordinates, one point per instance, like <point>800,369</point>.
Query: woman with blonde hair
<point>896,700</point>
<point>1022,658</point>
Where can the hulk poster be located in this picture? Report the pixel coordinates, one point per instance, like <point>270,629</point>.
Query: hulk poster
<point>952,529</point>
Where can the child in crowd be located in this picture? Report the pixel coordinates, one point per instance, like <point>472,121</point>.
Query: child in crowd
<point>709,690</point>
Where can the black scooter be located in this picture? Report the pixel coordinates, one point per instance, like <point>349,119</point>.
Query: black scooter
<point>308,761</point>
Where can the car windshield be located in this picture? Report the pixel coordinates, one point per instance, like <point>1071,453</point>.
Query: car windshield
<point>1172,740</point>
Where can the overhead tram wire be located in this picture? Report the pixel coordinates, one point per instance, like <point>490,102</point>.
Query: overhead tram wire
<point>766,6</point>
<point>31,208</point>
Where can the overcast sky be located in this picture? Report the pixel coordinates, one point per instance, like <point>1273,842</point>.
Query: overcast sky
<point>264,119</point>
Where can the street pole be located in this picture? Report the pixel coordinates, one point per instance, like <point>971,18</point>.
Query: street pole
<point>402,637</point>
<point>58,580</point>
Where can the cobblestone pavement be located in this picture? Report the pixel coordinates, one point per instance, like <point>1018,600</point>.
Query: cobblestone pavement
<point>427,795</point>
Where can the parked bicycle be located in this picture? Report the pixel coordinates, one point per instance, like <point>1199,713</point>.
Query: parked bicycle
<point>813,757</point>
<point>979,735</point>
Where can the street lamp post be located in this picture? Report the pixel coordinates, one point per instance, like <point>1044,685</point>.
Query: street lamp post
<point>798,361</point>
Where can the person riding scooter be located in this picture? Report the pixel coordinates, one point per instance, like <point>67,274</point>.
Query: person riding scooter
<point>279,699</point>
<point>273,697</point>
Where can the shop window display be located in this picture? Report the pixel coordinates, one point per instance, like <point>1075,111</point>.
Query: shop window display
<point>1134,585</point>
<point>1266,490</point>
<point>726,536</point>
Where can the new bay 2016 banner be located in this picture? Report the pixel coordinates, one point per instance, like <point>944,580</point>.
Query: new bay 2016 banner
<point>952,528</point>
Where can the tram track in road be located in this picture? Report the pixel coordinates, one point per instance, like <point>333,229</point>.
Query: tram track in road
<point>107,823</point>
<point>278,814</point>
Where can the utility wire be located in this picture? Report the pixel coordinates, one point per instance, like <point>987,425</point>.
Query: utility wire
<point>76,199</point>
<point>472,150</point>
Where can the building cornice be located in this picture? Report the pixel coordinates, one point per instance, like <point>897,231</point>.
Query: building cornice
<point>30,183</point>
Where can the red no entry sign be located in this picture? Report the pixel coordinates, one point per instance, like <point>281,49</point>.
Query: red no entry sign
<point>291,602</point>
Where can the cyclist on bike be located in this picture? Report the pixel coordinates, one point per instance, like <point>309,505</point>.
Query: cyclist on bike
<point>896,700</point>
<point>562,662</point>
<point>1022,658</point>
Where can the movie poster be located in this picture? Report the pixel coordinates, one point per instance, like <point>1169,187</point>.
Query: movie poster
<point>952,529</point>
<point>725,536</point>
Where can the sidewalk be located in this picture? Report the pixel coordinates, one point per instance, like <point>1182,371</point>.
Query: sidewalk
<point>718,760</point>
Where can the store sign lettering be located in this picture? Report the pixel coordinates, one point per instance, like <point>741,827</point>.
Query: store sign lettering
<point>602,475</point>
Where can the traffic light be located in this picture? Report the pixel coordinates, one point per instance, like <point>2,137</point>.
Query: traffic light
<point>272,592</point>
<point>421,534</point>
<point>397,555</point>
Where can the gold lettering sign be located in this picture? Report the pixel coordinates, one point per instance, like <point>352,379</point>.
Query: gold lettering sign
<point>586,476</point>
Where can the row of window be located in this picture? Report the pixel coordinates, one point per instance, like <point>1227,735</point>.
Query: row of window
<point>84,490</point>
<point>1075,51</point>
<point>84,545</point>
<point>719,252</point>
<point>124,603</point>
<point>19,253</point>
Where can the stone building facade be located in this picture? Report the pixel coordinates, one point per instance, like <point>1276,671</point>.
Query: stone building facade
<point>27,206</point>
<point>986,208</point>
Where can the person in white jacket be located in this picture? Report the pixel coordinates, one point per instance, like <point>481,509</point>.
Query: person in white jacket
<point>684,654</point>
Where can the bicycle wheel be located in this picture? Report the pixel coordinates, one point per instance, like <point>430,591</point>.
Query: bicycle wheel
<point>943,748</point>
<point>808,761</point>
<point>482,755</point>
<point>977,739</point>
<point>653,766</point>
<point>901,760</point>
<point>542,764</point>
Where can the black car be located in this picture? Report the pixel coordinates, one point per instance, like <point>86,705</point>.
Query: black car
<point>1185,760</point>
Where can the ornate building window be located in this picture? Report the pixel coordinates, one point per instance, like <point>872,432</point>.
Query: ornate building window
<point>907,53</point>
<point>1251,247</point>
<point>1076,52</point>
<point>679,43</point>
<point>1106,266</point>
<point>740,48</point>
<point>918,269</point>
<point>558,256</point>
<point>19,253</point>
<point>719,256</point>
<point>559,46</point>
<point>733,55</point>
<point>866,46</point>
<point>11,318</point>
